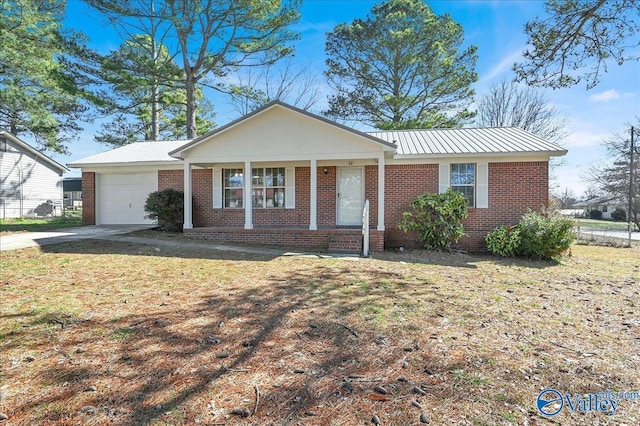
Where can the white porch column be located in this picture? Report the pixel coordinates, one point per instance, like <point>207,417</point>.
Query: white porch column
<point>188,197</point>
<point>381,168</point>
<point>248,202</point>
<point>313,206</point>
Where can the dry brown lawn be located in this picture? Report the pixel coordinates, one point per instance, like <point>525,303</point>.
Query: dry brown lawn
<point>100,332</point>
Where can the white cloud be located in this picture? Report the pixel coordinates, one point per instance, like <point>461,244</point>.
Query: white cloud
<point>606,96</point>
<point>585,139</point>
<point>503,66</point>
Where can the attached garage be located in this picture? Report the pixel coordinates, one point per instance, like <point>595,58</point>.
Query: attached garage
<point>121,197</point>
<point>116,183</point>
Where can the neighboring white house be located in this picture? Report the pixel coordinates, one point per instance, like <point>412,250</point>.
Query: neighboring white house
<point>606,205</point>
<point>30,182</point>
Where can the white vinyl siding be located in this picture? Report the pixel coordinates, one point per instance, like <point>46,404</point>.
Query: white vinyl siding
<point>27,183</point>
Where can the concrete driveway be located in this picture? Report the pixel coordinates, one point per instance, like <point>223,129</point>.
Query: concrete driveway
<point>32,239</point>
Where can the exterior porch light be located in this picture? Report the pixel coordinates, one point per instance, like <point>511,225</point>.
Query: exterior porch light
<point>325,170</point>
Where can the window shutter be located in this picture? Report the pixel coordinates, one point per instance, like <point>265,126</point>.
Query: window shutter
<point>217,188</point>
<point>290,188</point>
<point>482,185</point>
<point>444,178</point>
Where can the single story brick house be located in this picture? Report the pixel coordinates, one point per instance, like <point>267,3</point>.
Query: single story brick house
<point>310,177</point>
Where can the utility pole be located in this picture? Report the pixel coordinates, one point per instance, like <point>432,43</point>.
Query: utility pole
<point>630,212</point>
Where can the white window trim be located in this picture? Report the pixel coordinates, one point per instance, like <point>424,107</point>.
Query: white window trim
<point>481,192</point>
<point>289,181</point>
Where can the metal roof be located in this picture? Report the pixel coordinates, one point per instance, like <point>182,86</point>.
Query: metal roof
<point>475,141</point>
<point>137,152</point>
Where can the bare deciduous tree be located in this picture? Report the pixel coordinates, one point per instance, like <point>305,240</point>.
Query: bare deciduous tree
<point>510,104</point>
<point>286,82</point>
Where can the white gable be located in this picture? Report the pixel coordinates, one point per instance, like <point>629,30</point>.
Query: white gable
<point>281,133</point>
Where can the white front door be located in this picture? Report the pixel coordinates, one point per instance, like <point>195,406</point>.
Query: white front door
<point>350,195</point>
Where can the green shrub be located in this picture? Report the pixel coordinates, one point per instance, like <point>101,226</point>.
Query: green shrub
<point>168,207</point>
<point>503,241</point>
<point>595,214</point>
<point>536,236</point>
<point>545,237</point>
<point>619,214</point>
<point>437,218</point>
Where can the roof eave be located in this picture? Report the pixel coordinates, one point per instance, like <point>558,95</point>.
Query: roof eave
<point>34,151</point>
<point>481,154</point>
<point>121,164</point>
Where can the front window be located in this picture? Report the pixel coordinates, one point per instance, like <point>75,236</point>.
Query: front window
<point>233,184</point>
<point>268,187</point>
<point>463,179</point>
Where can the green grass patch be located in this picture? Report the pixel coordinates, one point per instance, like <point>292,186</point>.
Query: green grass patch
<point>39,225</point>
<point>605,225</point>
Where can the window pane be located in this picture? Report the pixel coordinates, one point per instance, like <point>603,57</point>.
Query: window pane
<point>233,178</point>
<point>233,198</point>
<point>275,197</point>
<point>463,174</point>
<point>257,178</point>
<point>258,197</point>
<point>468,192</point>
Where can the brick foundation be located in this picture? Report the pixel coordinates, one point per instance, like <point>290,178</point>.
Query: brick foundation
<point>331,240</point>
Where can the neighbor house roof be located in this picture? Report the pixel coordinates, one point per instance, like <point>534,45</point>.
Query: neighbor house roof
<point>33,151</point>
<point>72,184</point>
<point>475,141</point>
<point>135,153</point>
<point>597,201</point>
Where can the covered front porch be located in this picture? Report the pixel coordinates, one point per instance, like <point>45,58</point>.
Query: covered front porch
<point>283,176</point>
<point>317,204</point>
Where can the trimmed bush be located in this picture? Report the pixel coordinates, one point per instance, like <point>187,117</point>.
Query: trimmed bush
<point>535,236</point>
<point>595,214</point>
<point>619,214</point>
<point>437,218</point>
<point>168,207</point>
<point>503,241</point>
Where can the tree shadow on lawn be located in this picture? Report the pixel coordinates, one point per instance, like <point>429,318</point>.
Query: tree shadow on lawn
<point>313,343</point>
<point>197,251</point>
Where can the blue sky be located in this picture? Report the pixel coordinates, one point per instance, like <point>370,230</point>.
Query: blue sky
<point>495,27</point>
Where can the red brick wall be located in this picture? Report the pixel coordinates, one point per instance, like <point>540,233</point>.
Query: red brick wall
<point>326,213</point>
<point>171,179</point>
<point>88,198</point>
<point>513,189</point>
<point>402,184</point>
<point>371,194</point>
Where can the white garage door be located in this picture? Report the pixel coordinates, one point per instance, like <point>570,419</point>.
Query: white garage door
<point>121,197</point>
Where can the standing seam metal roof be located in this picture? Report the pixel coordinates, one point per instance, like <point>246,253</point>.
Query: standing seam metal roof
<point>490,140</point>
